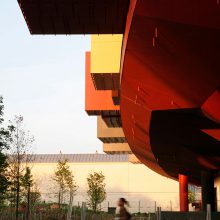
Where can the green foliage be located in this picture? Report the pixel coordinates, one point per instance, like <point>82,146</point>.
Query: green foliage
<point>27,179</point>
<point>35,197</point>
<point>64,178</point>
<point>4,145</point>
<point>96,190</point>
<point>26,184</point>
<point>191,196</point>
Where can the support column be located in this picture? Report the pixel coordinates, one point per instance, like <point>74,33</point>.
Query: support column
<point>208,191</point>
<point>183,193</point>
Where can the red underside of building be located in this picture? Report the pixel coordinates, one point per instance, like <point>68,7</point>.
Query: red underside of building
<point>169,89</point>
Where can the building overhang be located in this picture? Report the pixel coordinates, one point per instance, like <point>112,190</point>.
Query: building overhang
<point>117,148</point>
<point>75,16</point>
<point>109,134</point>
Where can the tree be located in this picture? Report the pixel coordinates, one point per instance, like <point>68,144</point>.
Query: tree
<point>191,193</point>
<point>72,187</point>
<point>65,180</point>
<point>191,196</point>
<point>26,184</point>
<point>4,140</point>
<point>29,195</point>
<point>3,178</point>
<point>20,148</point>
<point>96,190</point>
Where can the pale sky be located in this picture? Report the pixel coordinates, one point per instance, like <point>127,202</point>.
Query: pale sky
<point>42,79</point>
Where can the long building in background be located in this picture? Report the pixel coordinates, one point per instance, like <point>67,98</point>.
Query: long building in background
<point>137,183</point>
<point>153,70</point>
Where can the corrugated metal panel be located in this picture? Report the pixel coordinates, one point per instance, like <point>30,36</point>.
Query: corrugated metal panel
<point>78,158</point>
<point>75,16</point>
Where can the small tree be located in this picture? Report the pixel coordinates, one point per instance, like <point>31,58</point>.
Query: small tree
<point>26,184</point>
<point>65,180</point>
<point>191,196</point>
<point>30,194</point>
<point>191,193</point>
<point>72,187</point>
<point>20,147</point>
<point>96,190</point>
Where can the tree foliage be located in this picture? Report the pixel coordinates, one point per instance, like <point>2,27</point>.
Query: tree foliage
<point>96,190</point>
<point>26,184</point>
<point>20,147</point>
<point>4,145</point>
<point>30,194</point>
<point>64,178</point>
<point>191,196</point>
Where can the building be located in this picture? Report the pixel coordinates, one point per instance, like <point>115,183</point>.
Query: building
<point>137,183</point>
<point>153,70</point>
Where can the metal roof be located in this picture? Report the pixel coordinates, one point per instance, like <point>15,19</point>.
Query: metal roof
<point>79,158</point>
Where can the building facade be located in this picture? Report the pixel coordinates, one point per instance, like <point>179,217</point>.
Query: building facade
<point>143,188</point>
<point>153,70</point>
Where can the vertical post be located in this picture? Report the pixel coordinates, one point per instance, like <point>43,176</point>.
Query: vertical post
<point>208,191</point>
<point>159,213</point>
<point>183,193</point>
<point>208,214</point>
<point>83,211</point>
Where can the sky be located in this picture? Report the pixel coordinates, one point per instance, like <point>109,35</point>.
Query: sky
<point>42,78</point>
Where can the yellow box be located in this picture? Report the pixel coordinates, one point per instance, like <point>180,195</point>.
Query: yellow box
<point>106,53</point>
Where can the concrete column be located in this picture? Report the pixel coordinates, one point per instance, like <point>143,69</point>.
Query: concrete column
<point>208,191</point>
<point>183,193</point>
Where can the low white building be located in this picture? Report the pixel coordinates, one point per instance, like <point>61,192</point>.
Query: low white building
<point>143,188</point>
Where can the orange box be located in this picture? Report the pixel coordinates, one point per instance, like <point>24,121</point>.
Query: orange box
<point>96,101</point>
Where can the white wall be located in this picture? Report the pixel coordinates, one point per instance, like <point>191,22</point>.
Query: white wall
<point>217,185</point>
<point>135,182</point>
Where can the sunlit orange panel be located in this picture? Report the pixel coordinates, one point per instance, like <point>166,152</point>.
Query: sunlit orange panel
<point>96,100</point>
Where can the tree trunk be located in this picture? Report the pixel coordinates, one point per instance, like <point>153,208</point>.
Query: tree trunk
<point>69,213</point>
<point>28,202</point>
<point>17,195</point>
<point>59,199</point>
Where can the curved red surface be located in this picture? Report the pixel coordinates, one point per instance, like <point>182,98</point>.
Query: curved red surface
<point>211,107</point>
<point>171,67</point>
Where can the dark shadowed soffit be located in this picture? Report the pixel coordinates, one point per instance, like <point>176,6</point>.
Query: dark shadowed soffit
<point>75,16</point>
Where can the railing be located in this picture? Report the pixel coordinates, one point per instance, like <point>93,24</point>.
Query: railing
<point>54,215</point>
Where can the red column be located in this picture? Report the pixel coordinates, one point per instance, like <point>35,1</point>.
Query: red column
<point>183,192</point>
